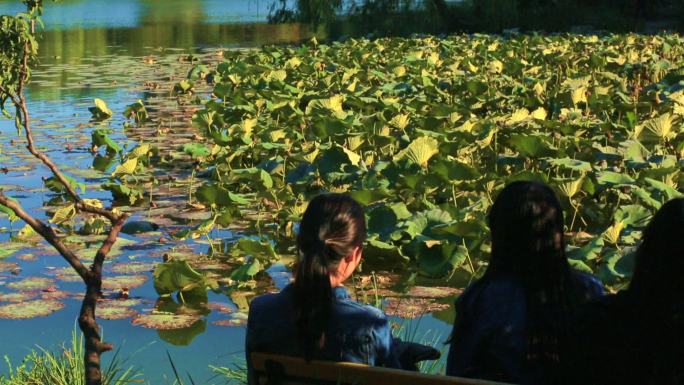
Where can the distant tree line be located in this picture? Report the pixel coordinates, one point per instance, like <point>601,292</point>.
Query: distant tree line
<point>410,16</point>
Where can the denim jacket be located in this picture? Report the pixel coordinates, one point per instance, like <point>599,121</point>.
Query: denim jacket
<point>357,333</point>
<point>489,336</point>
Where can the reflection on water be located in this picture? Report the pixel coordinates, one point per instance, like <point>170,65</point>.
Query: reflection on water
<point>79,29</point>
<point>70,14</point>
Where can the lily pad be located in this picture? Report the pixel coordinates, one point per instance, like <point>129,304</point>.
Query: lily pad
<point>52,293</point>
<point>120,302</point>
<point>123,282</point>
<point>114,312</point>
<point>7,249</point>
<point>66,274</point>
<point>412,307</point>
<point>17,297</point>
<point>31,284</point>
<point>30,309</point>
<point>26,257</point>
<point>231,322</point>
<point>433,292</point>
<point>88,254</point>
<point>133,267</point>
<point>238,319</point>
<point>221,307</point>
<point>165,321</point>
<point>9,267</point>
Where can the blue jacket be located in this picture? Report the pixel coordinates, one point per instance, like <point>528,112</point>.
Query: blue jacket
<point>357,333</point>
<point>489,336</point>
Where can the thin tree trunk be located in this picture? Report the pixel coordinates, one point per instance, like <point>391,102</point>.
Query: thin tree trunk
<point>92,277</point>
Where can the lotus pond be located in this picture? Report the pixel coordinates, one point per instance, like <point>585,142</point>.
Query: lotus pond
<point>215,150</point>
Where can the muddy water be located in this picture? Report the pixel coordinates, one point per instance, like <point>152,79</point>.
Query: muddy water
<point>121,51</point>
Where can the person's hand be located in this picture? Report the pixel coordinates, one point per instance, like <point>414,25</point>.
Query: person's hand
<point>411,353</point>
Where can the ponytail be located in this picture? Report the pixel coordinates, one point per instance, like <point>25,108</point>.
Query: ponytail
<point>313,300</point>
<point>331,228</point>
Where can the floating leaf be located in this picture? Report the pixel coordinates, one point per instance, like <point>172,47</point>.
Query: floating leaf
<point>30,309</point>
<point>31,284</point>
<point>123,282</point>
<point>165,321</point>
<point>9,267</point>
<point>412,307</point>
<point>17,297</point>
<point>133,267</point>
<point>114,312</point>
<point>433,292</point>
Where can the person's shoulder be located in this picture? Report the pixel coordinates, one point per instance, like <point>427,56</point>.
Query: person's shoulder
<point>502,287</point>
<point>355,309</point>
<point>591,287</point>
<point>268,301</point>
<point>493,297</point>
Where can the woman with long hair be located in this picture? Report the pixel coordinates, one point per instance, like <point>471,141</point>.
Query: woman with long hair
<point>314,317</point>
<point>515,323</point>
<point>637,336</point>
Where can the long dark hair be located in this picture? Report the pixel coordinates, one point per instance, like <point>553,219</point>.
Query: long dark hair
<point>657,292</point>
<point>332,227</point>
<point>526,223</point>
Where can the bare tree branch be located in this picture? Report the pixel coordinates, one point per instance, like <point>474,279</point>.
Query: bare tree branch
<point>26,122</point>
<point>49,234</point>
<point>92,277</point>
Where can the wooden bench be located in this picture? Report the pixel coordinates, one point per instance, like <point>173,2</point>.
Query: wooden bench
<point>271,369</point>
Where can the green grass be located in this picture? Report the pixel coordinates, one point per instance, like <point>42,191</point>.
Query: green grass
<point>235,373</point>
<point>65,367</point>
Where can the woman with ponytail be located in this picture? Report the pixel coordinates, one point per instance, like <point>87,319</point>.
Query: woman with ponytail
<point>314,317</point>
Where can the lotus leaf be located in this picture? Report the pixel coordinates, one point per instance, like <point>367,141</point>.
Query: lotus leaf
<point>178,276</point>
<point>165,321</point>
<point>9,266</point>
<point>30,309</point>
<point>133,267</point>
<point>17,297</point>
<point>114,312</point>
<point>123,282</point>
<point>100,111</point>
<point>31,284</point>
<point>420,151</point>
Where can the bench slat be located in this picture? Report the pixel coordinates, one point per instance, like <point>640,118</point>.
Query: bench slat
<point>297,370</point>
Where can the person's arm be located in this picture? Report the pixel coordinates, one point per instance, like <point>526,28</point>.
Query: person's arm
<point>488,341</point>
<point>251,380</point>
<point>385,346</point>
<point>464,341</point>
